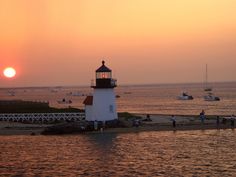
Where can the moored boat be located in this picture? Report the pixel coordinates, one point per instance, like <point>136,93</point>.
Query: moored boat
<point>75,94</point>
<point>185,96</point>
<point>64,101</point>
<point>211,97</point>
<point>207,88</point>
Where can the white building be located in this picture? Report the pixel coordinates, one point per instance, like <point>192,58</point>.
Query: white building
<point>102,105</point>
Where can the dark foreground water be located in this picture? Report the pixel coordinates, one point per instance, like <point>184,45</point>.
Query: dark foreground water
<point>181,153</point>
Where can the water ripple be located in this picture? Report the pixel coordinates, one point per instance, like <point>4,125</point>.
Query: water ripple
<point>188,153</point>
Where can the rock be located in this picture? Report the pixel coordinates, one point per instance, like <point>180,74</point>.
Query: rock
<point>66,128</point>
<point>32,134</point>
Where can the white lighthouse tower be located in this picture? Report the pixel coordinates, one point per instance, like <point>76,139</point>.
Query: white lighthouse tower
<point>102,105</point>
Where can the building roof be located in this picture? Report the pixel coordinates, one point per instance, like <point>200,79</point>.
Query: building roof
<point>88,100</point>
<point>103,68</point>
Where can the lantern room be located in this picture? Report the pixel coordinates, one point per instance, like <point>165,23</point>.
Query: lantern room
<point>104,77</point>
<point>103,72</point>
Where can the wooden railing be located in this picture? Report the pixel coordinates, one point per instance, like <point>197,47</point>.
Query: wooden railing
<point>41,117</point>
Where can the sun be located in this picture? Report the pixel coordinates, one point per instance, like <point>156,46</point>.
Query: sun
<point>9,72</point>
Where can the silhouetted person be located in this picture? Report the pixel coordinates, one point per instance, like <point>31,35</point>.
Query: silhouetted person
<point>95,125</point>
<point>173,121</point>
<point>202,116</point>
<point>136,123</point>
<point>148,118</point>
<point>224,120</point>
<point>217,121</point>
<point>232,121</point>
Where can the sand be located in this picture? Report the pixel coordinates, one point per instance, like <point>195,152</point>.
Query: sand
<point>158,123</point>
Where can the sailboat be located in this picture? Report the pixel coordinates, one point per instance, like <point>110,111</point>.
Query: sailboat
<point>207,89</point>
<point>210,96</point>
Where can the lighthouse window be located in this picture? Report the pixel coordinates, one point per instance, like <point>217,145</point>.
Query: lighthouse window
<point>111,108</point>
<point>103,75</point>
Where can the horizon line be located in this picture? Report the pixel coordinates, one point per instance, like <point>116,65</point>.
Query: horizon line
<point>122,85</point>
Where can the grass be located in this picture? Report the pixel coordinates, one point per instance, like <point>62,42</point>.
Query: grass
<point>128,116</point>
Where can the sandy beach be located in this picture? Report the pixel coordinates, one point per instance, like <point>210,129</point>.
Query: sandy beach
<point>164,123</point>
<point>158,123</point>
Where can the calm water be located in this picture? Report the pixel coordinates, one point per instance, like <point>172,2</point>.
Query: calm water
<point>155,99</point>
<point>186,153</point>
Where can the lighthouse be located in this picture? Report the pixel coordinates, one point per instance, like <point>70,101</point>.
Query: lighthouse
<point>102,105</point>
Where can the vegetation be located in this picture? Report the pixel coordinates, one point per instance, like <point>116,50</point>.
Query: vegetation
<point>128,116</point>
<point>19,106</point>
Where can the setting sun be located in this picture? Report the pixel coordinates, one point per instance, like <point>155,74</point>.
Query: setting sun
<point>9,72</point>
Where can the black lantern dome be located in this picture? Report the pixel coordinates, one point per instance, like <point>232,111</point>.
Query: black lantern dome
<point>104,77</point>
<point>103,68</point>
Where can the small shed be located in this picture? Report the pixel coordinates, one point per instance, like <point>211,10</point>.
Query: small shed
<point>88,103</point>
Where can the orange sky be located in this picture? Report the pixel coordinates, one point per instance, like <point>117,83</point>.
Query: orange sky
<point>62,42</point>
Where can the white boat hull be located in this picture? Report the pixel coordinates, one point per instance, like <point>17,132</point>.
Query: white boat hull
<point>211,98</point>
<point>185,98</point>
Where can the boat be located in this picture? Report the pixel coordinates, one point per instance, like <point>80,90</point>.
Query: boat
<point>211,97</point>
<point>207,88</point>
<point>64,101</point>
<point>75,94</point>
<point>11,93</point>
<point>185,96</point>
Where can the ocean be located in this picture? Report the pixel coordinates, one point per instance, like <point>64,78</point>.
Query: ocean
<point>180,153</point>
<point>154,153</point>
<point>142,99</point>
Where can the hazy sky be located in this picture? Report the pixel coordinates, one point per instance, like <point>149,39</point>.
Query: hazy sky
<point>62,42</point>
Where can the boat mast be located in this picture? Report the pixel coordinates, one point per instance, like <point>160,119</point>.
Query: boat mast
<point>208,89</point>
<point>206,77</point>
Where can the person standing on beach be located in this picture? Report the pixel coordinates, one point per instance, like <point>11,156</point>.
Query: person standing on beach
<point>148,118</point>
<point>232,121</point>
<point>202,116</point>
<point>95,125</point>
<point>173,119</point>
<point>217,120</point>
